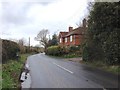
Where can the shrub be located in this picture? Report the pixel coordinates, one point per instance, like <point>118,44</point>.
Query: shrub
<point>85,54</point>
<point>56,50</point>
<point>67,52</point>
<point>75,49</point>
<point>53,50</point>
<point>102,36</point>
<point>111,49</point>
<point>92,52</point>
<point>9,50</point>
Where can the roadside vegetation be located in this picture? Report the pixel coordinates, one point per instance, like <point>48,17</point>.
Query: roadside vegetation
<point>101,46</point>
<point>10,50</point>
<point>65,52</point>
<point>11,72</point>
<point>0,76</point>
<point>102,38</point>
<point>115,69</point>
<point>14,56</point>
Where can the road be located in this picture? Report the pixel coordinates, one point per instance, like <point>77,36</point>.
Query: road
<point>49,72</point>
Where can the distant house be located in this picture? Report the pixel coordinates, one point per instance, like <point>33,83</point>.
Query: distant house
<point>73,36</point>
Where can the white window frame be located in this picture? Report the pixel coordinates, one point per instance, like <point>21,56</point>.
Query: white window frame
<point>60,40</point>
<point>71,38</point>
<point>66,39</point>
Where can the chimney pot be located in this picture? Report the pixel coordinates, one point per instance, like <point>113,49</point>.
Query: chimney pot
<point>70,29</point>
<point>84,22</point>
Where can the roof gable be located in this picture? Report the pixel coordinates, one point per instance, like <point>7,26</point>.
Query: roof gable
<point>63,34</point>
<point>77,31</point>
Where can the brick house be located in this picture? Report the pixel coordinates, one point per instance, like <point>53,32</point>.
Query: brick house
<point>73,36</point>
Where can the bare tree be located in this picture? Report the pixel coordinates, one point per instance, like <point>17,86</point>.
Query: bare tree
<point>90,6</point>
<point>42,37</point>
<point>21,43</point>
<point>79,24</point>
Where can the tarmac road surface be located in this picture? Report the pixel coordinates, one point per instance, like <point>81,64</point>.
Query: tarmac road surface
<point>49,72</point>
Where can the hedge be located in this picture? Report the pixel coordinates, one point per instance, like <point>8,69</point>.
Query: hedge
<point>56,50</point>
<point>9,50</point>
<point>63,51</point>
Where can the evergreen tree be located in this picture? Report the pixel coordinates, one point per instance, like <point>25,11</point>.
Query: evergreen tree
<point>102,35</point>
<point>54,40</point>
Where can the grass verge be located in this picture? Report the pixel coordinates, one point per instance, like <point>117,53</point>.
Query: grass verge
<point>11,72</point>
<point>72,55</point>
<point>0,76</point>
<point>115,69</point>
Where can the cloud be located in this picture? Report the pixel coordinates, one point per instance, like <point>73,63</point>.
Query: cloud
<point>59,11</point>
<point>25,18</point>
<point>14,13</point>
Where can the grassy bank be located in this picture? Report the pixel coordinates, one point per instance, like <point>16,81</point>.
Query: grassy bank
<point>115,69</point>
<point>0,76</point>
<point>11,72</point>
<point>72,55</point>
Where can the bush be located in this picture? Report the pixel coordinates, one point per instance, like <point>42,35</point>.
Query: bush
<point>67,52</point>
<point>111,48</point>
<point>92,52</point>
<point>85,54</point>
<point>102,36</point>
<point>56,50</point>
<point>74,48</point>
<point>9,50</point>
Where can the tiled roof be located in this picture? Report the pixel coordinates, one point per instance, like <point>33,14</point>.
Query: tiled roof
<point>63,34</point>
<point>77,31</point>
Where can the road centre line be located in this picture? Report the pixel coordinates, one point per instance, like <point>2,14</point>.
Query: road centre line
<point>63,68</point>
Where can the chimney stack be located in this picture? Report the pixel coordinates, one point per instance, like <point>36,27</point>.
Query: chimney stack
<point>84,22</point>
<point>70,29</point>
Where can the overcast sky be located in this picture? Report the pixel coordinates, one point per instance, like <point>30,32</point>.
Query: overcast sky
<point>25,18</point>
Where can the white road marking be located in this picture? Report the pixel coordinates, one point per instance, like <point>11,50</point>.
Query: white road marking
<point>63,68</point>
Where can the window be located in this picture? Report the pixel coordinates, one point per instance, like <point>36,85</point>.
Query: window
<point>60,40</point>
<point>71,39</point>
<point>65,39</point>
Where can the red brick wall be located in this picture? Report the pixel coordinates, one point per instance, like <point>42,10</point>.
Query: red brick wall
<point>62,41</point>
<point>68,41</point>
<point>78,40</point>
